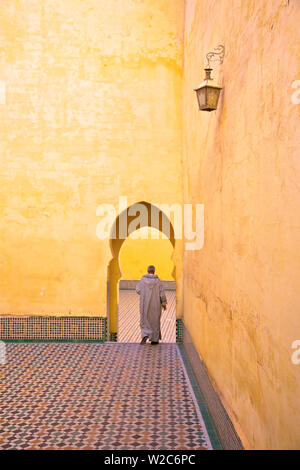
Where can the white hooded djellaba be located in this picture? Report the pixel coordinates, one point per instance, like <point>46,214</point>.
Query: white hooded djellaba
<point>152,298</point>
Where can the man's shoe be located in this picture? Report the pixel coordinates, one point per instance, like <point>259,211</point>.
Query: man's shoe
<point>144,340</point>
<point>154,342</point>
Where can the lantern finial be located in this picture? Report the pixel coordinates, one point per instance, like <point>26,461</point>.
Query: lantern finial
<point>207,74</point>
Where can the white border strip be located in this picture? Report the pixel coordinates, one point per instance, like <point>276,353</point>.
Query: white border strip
<point>199,414</point>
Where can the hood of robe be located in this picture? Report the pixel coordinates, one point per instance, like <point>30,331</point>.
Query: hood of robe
<point>150,279</point>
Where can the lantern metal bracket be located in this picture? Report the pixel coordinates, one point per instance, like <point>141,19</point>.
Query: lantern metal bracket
<point>219,55</point>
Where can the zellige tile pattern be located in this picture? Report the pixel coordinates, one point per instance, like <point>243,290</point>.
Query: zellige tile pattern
<point>50,328</point>
<point>97,396</point>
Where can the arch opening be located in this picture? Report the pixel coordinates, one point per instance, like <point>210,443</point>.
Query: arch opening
<point>128,219</point>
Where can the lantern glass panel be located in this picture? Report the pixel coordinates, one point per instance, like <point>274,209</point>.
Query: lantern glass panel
<point>212,97</point>
<point>202,96</point>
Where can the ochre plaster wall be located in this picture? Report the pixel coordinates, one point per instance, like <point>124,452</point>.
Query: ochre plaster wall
<point>137,254</point>
<point>241,291</point>
<point>91,111</point>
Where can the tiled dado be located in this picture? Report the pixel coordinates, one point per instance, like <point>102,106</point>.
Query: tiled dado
<point>113,337</point>
<point>179,330</point>
<point>37,328</point>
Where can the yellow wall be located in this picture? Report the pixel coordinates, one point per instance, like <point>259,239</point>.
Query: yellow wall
<point>92,111</point>
<point>241,294</point>
<point>137,254</point>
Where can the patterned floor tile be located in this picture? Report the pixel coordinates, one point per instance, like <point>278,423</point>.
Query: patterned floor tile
<point>98,396</point>
<point>129,318</point>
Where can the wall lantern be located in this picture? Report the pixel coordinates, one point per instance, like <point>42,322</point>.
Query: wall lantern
<point>208,93</point>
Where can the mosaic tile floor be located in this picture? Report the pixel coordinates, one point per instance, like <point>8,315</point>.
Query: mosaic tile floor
<point>129,318</point>
<point>98,396</point>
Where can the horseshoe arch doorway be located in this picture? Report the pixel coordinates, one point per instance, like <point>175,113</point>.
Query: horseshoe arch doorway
<point>154,218</point>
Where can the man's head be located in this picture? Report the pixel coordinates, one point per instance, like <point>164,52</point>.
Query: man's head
<point>151,269</point>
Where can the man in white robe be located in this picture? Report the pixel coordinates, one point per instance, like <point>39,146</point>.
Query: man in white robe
<point>152,300</point>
